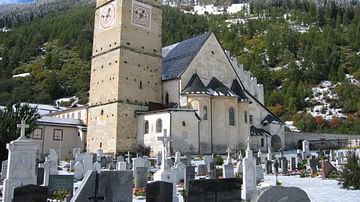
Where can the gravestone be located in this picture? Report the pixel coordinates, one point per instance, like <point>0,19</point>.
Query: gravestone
<point>120,158</point>
<point>202,169</point>
<point>60,182</point>
<point>180,171</point>
<point>159,192</point>
<point>158,158</point>
<point>97,166</point>
<point>276,166</point>
<point>280,193</point>
<point>293,164</point>
<point>30,193</point>
<point>249,174</point>
<point>326,168</point>
<point>313,166</point>
<point>269,154</point>
<point>268,167</point>
<point>208,159</point>
<point>228,190</point>
<point>121,166</point>
<point>239,168</point>
<point>140,177</point>
<point>177,157</point>
<point>21,163</point>
<point>299,153</point>
<point>259,157</point>
<point>170,163</point>
<point>284,165</point>
<point>4,165</point>
<point>76,151</point>
<point>332,155</point>
<point>53,162</point>
<point>189,175</point>
<point>106,186</point>
<point>259,174</point>
<point>201,190</point>
<point>40,175</point>
<point>99,154</point>
<point>214,190</point>
<point>212,170</point>
<point>305,149</point>
<point>228,171</point>
<point>103,162</point>
<point>87,162</point>
<point>78,171</point>
<point>138,162</point>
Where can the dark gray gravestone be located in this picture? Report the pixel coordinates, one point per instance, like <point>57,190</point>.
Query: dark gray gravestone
<point>60,182</point>
<point>30,193</point>
<point>202,191</point>
<point>40,176</point>
<point>103,162</point>
<point>214,190</point>
<point>280,193</point>
<point>4,169</point>
<point>269,167</point>
<point>313,165</point>
<point>107,186</point>
<point>284,165</point>
<point>189,175</point>
<point>202,169</point>
<point>229,190</point>
<point>276,166</point>
<point>140,177</point>
<point>212,170</point>
<point>293,164</point>
<point>159,191</point>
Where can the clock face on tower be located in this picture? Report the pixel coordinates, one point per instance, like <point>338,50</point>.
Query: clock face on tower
<point>107,16</point>
<point>141,15</point>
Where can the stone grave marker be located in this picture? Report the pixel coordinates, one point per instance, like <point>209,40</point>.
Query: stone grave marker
<point>280,193</point>
<point>60,182</point>
<point>189,175</point>
<point>313,166</point>
<point>284,165</point>
<point>202,190</point>
<point>121,166</point>
<point>120,158</point>
<point>268,167</point>
<point>212,170</point>
<point>158,158</point>
<point>326,168</point>
<point>228,189</point>
<point>259,174</point>
<point>159,191</point>
<point>4,165</point>
<point>103,162</point>
<point>30,193</point>
<point>299,153</point>
<point>108,186</point>
<point>99,154</point>
<point>40,175</point>
<point>180,171</point>
<point>87,162</point>
<point>202,170</point>
<point>78,170</point>
<point>138,162</point>
<point>249,174</point>
<point>140,177</point>
<point>228,171</point>
<point>276,166</point>
<point>21,163</point>
<point>306,149</point>
<point>239,168</point>
<point>293,164</point>
<point>97,166</point>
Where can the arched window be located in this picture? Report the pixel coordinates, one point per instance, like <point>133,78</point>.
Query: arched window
<point>146,125</point>
<point>167,98</point>
<point>231,116</point>
<point>158,125</point>
<point>205,112</point>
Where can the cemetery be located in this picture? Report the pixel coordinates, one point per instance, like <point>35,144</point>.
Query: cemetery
<point>255,176</point>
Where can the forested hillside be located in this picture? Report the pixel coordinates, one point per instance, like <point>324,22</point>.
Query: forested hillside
<point>289,47</point>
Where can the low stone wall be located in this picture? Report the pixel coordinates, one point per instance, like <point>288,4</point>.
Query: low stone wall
<point>292,138</point>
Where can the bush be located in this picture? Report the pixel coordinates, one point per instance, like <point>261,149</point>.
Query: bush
<point>219,160</point>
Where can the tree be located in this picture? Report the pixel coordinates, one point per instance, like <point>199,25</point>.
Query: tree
<point>9,118</point>
<point>351,172</point>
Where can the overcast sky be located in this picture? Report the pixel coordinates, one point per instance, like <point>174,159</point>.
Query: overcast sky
<point>14,1</point>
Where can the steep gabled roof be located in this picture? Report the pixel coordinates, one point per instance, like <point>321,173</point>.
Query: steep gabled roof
<point>195,85</point>
<point>219,88</point>
<point>177,57</point>
<point>259,132</point>
<point>235,86</point>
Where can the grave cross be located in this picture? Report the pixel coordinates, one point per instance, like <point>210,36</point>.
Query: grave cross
<point>23,127</point>
<point>228,157</point>
<point>165,139</point>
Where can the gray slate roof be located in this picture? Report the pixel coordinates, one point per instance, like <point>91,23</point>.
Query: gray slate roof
<point>50,120</point>
<point>178,57</point>
<point>259,132</point>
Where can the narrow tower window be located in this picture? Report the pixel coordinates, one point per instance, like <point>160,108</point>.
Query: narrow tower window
<point>231,116</point>
<point>158,125</point>
<point>205,113</point>
<point>146,127</point>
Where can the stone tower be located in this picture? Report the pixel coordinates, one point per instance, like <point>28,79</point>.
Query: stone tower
<point>125,71</point>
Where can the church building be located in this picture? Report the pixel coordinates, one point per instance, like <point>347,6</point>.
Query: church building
<point>192,91</point>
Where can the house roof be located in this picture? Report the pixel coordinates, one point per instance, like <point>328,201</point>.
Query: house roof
<point>195,85</point>
<point>259,132</point>
<point>235,86</point>
<point>50,120</point>
<point>177,57</point>
<point>271,119</point>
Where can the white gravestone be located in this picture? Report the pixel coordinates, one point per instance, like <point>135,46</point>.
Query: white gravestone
<point>228,160</point>
<point>249,174</point>
<point>4,169</point>
<point>99,154</point>
<point>21,164</point>
<point>76,151</point>
<point>87,162</point>
<point>78,171</point>
<point>53,162</point>
<point>121,166</point>
<point>306,149</point>
<point>164,174</point>
<point>97,166</point>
